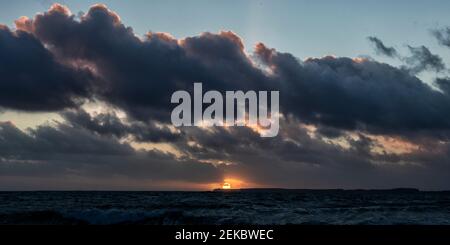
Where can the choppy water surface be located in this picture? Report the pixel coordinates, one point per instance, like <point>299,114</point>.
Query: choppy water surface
<point>237,207</point>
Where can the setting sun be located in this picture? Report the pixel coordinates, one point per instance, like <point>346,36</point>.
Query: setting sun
<point>226,186</point>
<point>233,183</point>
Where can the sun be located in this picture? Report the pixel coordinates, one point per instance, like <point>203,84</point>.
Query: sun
<point>226,186</point>
<point>232,183</point>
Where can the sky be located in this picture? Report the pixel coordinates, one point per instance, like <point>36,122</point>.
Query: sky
<point>85,93</point>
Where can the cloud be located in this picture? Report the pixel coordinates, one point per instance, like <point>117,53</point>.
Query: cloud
<point>382,49</point>
<point>64,150</point>
<point>137,74</point>
<point>422,59</point>
<point>356,94</point>
<point>442,35</point>
<point>443,84</point>
<point>33,80</point>
<point>62,139</point>
<point>299,158</point>
<point>110,125</point>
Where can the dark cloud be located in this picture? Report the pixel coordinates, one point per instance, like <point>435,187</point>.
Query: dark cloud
<point>135,75</point>
<point>443,84</point>
<point>109,124</point>
<point>64,150</point>
<point>382,49</point>
<point>443,36</point>
<point>330,132</point>
<point>140,75</point>
<point>422,59</point>
<point>31,79</point>
<point>61,139</point>
<point>356,93</point>
<point>296,158</point>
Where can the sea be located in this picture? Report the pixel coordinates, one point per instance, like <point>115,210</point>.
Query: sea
<point>260,207</point>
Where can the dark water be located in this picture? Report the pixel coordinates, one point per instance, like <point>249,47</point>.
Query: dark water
<point>262,207</point>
